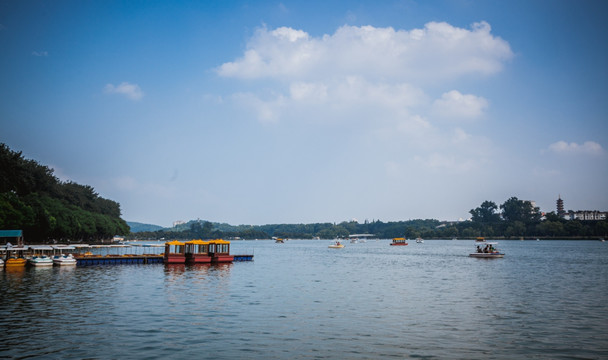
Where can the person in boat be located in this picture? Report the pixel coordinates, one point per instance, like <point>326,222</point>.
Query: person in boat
<point>485,249</point>
<point>478,249</point>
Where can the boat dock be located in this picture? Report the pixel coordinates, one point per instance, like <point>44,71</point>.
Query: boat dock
<point>134,259</point>
<point>191,252</point>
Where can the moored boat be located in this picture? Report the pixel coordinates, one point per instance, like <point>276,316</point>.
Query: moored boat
<point>399,242</point>
<point>489,251</point>
<point>197,251</point>
<point>64,260</point>
<point>174,252</point>
<point>40,255</point>
<point>15,256</point>
<point>63,255</point>
<point>219,250</point>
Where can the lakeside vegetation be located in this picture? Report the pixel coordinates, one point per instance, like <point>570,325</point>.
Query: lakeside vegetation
<point>34,200</point>
<point>514,219</point>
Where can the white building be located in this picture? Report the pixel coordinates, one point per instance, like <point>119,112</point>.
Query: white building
<point>587,215</point>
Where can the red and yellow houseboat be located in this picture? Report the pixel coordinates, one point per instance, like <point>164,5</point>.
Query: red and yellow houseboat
<point>174,252</point>
<point>219,250</point>
<point>197,252</point>
<point>399,241</point>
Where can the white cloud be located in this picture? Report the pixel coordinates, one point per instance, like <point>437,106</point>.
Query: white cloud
<point>372,81</point>
<point>131,91</point>
<point>588,147</point>
<point>40,53</point>
<point>437,51</point>
<point>453,104</point>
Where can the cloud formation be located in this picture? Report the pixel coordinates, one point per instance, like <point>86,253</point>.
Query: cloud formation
<point>588,147</point>
<point>373,81</point>
<point>131,91</point>
<point>436,52</point>
<point>40,53</point>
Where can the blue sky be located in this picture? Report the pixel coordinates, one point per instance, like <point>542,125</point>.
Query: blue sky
<point>304,111</point>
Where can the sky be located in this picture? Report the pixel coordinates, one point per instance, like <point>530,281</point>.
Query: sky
<point>265,112</point>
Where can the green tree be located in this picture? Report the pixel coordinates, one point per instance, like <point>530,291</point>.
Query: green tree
<point>519,210</point>
<point>486,213</point>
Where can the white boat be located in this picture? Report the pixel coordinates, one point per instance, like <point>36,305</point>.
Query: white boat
<point>61,258</point>
<point>336,245</point>
<point>419,240</point>
<point>40,255</point>
<point>489,251</point>
<point>41,260</point>
<point>64,260</point>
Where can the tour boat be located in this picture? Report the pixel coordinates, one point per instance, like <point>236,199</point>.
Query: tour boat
<point>399,242</point>
<point>480,239</point>
<point>174,252</point>
<point>488,252</point>
<point>336,245</point>
<point>197,251</point>
<point>219,250</point>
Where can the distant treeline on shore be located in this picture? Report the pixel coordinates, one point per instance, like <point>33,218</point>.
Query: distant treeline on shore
<point>514,219</point>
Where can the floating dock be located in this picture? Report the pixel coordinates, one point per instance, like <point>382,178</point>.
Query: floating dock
<point>134,259</point>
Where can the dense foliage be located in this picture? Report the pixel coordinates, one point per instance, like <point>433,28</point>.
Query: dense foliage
<point>34,200</point>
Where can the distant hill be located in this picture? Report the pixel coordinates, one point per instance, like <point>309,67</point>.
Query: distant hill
<point>139,227</point>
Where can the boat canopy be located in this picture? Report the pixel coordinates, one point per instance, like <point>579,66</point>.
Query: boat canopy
<point>174,242</point>
<point>219,241</point>
<point>197,242</point>
<point>40,247</point>
<point>63,247</point>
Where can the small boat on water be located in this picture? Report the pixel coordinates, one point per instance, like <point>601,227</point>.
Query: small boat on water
<point>419,240</point>
<point>64,260</point>
<point>40,260</point>
<point>480,239</point>
<point>489,251</point>
<point>336,245</point>
<point>15,256</point>
<point>41,256</point>
<point>279,240</point>
<point>399,242</point>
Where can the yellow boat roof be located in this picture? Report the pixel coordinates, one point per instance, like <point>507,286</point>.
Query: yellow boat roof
<point>174,242</point>
<point>197,242</point>
<point>398,239</point>
<point>219,241</point>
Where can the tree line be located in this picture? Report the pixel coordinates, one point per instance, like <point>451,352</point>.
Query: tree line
<point>514,219</point>
<point>34,200</point>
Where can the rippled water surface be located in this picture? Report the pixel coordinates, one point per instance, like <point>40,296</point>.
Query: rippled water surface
<point>302,300</point>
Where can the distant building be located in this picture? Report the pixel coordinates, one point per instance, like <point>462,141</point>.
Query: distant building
<point>587,215</point>
<point>178,222</point>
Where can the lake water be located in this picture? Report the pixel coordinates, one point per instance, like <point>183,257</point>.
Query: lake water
<point>302,300</point>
